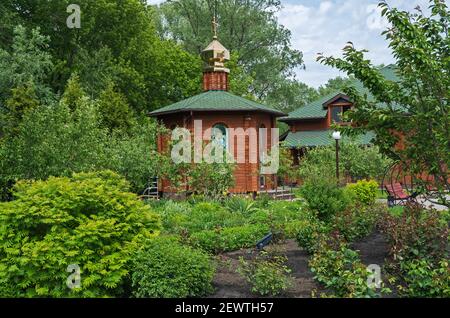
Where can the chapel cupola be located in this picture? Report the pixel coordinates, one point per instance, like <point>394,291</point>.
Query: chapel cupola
<point>215,74</point>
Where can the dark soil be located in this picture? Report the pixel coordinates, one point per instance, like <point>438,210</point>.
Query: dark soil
<point>229,284</point>
<point>373,249</point>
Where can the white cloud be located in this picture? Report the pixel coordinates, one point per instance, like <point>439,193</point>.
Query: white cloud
<point>154,1</point>
<point>326,26</point>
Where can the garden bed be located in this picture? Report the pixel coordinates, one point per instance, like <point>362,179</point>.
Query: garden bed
<point>229,284</point>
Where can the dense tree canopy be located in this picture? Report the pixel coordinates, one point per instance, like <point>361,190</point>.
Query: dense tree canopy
<point>249,28</point>
<point>117,42</point>
<point>417,105</point>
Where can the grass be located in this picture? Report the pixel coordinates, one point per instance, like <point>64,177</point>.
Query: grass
<point>397,210</point>
<point>381,194</point>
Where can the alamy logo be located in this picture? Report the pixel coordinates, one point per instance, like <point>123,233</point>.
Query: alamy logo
<point>74,279</point>
<point>223,148</point>
<point>74,19</point>
<point>374,279</point>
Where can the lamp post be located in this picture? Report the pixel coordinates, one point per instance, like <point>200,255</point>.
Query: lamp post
<point>337,137</point>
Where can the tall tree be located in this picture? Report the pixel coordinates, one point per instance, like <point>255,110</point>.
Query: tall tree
<point>117,42</point>
<point>417,104</point>
<point>23,100</point>
<point>290,94</point>
<point>248,27</point>
<point>26,62</point>
<point>333,85</point>
<point>115,112</point>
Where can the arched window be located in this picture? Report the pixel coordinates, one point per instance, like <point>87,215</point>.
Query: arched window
<point>220,131</point>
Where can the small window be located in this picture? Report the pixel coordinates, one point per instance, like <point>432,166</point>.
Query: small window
<point>336,113</point>
<point>220,133</point>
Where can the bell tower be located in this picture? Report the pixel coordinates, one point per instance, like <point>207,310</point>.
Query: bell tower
<point>215,74</point>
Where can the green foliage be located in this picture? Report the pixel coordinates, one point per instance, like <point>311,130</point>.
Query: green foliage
<point>240,205</point>
<point>88,219</point>
<point>55,141</point>
<point>414,101</point>
<point>357,221</point>
<point>416,234</point>
<point>364,190</point>
<point>165,268</point>
<point>290,94</point>
<point>114,109</point>
<point>286,168</point>
<point>422,279</point>
<point>418,241</point>
<point>27,63</point>
<point>229,238</point>
<point>266,273</point>
<point>249,28</point>
<point>149,71</point>
<point>334,85</point>
<point>23,100</point>
<point>310,232</point>
<point>181,217</point>
<point>340,271</point>
<point>324,196</point>
<point>355,162</point>
<point>211,179</point>
<point>73,93</point>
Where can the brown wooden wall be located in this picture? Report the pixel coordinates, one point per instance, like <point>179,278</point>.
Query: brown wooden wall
<point>315,124</point>
<point>246,174</point>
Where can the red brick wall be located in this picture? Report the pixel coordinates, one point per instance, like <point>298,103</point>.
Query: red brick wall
<point>215,81</point>
<point>246,174</point>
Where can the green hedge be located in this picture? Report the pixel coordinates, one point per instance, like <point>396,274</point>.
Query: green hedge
<point>229,239</point>
<point>167,269</point>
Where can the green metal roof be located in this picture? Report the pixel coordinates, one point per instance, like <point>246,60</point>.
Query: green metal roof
<point>215,101</point>
<point>316,110</point>
<point>314,138</point>
<point>312,110</point>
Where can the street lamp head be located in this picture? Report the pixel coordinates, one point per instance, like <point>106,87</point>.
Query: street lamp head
<point>337,135</point>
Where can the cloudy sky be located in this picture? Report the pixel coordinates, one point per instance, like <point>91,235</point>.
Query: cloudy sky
<point>327,25</point>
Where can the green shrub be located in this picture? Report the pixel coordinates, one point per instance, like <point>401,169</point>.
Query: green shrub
<point>341,272</point>
<point>165,268</point>
<point>356,162</point>
<point>174,215</point>
<point>266,274</point>
<point>325,197</point>
<point>417,234</point>
<point>211,179</point>
<point>293,228</point>
<point>229,239</point>
<point>240,205</point>
<point>262,200</point>
<point>365,191</point>
<point>310,233</point>
<point>357,221</point>
<point>179,217</point>
<point>88,219</point>
<point>423,279</point>
<point>208,216</point>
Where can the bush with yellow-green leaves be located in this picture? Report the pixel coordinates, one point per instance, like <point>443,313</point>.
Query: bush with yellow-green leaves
<point>89,220</point>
